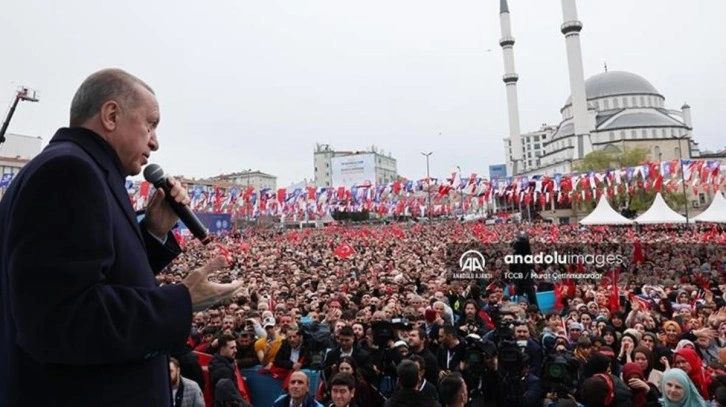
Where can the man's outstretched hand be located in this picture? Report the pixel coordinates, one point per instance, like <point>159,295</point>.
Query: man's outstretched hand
<point>205,293</point>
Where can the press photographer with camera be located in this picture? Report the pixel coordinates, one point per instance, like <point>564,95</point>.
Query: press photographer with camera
<point>498,375</point>
<point>471,323</point>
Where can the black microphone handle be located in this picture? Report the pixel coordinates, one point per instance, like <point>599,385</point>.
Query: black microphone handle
<point>185,214</point>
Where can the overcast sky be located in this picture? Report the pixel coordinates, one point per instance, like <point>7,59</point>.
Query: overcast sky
<point>255,84</point>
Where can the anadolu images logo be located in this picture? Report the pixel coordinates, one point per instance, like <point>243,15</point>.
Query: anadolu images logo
<point>472,261</point>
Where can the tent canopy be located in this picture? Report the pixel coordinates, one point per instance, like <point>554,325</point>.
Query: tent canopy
<point>604,214</point>
<point>716,212</point>
<point>660,212</point>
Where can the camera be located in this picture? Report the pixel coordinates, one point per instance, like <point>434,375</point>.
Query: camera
<point>477,350</point>
<point>383,332</point>
<point>559,374</point>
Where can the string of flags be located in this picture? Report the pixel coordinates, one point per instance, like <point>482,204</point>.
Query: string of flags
<point>446,195</point>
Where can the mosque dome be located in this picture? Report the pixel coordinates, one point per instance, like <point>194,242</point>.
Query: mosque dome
<point>613,83</point>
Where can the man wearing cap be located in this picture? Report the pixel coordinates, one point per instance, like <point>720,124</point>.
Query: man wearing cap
<point>268,346</point>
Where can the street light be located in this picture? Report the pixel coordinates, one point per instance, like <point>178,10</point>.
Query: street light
<point>683,178</point>
<point>428,180</point>
<point>247,210</point>
<point>461,192</point>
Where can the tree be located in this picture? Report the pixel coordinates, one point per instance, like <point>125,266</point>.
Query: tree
<point>598,160</point>
<point>601,160</point>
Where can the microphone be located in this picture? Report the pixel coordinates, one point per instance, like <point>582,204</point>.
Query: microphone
<point>155,175</point>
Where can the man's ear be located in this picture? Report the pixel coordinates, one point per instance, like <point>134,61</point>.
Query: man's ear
<point>110,112</point>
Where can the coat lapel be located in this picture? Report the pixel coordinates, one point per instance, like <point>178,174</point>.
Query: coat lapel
<point>102,153</point>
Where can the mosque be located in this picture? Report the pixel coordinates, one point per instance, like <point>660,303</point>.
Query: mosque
<point>611,111</point>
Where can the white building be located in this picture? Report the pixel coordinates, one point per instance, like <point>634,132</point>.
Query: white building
<point>385,169</point>
<point>532,147</point>
<point>256,179</point>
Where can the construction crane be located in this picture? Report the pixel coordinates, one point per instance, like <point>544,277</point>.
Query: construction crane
<point>24,94</point>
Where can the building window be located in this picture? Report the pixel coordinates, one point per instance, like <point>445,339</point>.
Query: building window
<point>326,174</point>
<point>622,135</point>
<point>612,136</point>
<point>656,153</point>
<point>327,165</point>
<point>615,103</point>
<point>597,105</point>
<point>644,133</point>
<point>316,169</point>
<point>633,134</point>
<point>663,132</point>
<point>327,183</point>
<point>569,142</point>
<point>677,152</point>
<point>634,102</point>
<point>625,102</point>
<point>642,101</point>
<point>673,132</point>
<point>606,103</point>
<point>655,133</point>
<point>536,138</point>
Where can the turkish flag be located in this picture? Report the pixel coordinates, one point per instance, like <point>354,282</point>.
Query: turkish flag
<point>344,251</point>
<point>638,257</point>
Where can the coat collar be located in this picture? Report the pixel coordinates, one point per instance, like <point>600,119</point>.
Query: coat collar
<point>106,158</point>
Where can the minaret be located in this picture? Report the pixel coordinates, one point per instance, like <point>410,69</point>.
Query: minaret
<point>510,79</point>
<point>571,29</point>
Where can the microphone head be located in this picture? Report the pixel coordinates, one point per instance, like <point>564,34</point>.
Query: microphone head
<point>154,174</point>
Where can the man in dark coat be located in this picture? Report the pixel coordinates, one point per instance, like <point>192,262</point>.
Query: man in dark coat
<point>82,321</point>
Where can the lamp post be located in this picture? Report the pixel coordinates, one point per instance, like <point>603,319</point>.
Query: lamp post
<point>428,187</point>
<point>461,192</point>
<point>247,210</point>
<point>683,178</point>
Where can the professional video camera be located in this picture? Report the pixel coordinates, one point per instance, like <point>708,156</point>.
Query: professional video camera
<point>383,332</point>
<point>316,337</point>
<point>478,349</point>
<point>559,374</point>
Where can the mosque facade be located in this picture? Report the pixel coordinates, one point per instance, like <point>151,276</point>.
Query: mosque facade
<point>612,111</point>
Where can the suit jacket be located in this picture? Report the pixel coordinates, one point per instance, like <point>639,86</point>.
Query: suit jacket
<point>282,358</point>
<point>82,321</point>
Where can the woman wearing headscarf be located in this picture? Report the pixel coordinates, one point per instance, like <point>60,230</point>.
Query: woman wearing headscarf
<point>645,358</point>
<point>644,394</point>
<point>679,391</point>
<point>687,360</point>
<point>671,334</point>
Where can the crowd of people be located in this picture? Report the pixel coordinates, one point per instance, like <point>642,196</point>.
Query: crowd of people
<point>388,321</point>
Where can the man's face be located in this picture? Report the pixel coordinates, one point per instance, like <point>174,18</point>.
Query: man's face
<point>294,338</point>
<point>521,332</point>
<point>228,323</point>
<point>346,342</point>
<point>414,340</point>
<point>298,385</point>
<point>134,134</point>
<point>215,322</point>
<point>245,340</point>
<point>470,310</point>
<point>358,330</point>
<point>173,373</point>
<point>342,395</point>
<point>228,350</point>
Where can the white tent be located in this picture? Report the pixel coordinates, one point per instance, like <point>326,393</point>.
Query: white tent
<point>716,212</point>
<point>660,212</point>
<point>604,214</point>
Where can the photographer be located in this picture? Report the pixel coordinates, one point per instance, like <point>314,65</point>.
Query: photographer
<point>471,323</point>
<point>529,346</point>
